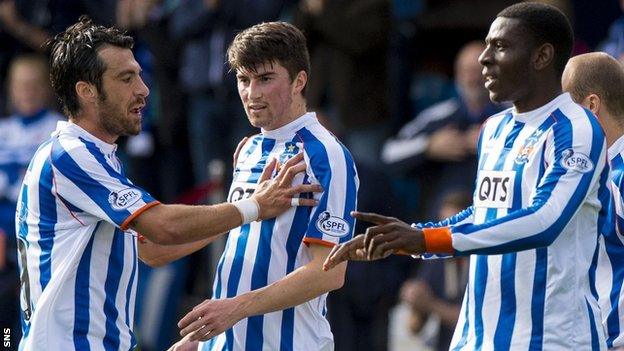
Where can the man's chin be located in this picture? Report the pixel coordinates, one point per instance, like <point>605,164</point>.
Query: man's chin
<point>496,97</point>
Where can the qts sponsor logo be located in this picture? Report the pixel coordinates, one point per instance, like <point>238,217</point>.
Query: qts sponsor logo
<point>495,189</point>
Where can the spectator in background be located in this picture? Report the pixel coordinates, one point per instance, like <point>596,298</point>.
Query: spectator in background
<point>30,124</point>
<point>436,292</point>
<point>439,145</point>
<point>27,24</point>
<point>206,28</point>
<point>348,43</point>
<point>614,43</point>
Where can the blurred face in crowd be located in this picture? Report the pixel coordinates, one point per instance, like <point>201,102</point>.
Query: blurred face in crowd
<point>123,94</point>
<point>270,97</point>
<point>29,87</point>
<point>506,61</point>
<point>468,73</point>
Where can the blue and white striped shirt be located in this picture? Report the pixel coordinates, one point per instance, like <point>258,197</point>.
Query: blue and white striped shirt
<point>78,262</point>
<point>540,201</point>
<point>261,253</point>
<point>610,270</point>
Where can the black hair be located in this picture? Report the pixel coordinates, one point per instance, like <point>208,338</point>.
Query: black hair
<point>545,24</point>
<point>74,58</point>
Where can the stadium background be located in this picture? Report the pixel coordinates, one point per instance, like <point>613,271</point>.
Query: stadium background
<point>376,64</point>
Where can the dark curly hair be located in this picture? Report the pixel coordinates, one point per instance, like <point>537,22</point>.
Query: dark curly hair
<point>270,42</point>
<point>74,58</point>
<point>545,24</point>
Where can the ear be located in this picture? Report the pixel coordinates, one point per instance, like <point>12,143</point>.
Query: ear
<point>300,82</point>
<point>543,56</point>
<point>593,103</point>
<point>86,91</point>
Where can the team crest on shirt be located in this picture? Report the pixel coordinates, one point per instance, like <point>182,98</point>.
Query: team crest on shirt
<point>528,147</point>
<point>332,225</point>
<point>290,150</point>
<point>121,200</point>
<point>576,161</point>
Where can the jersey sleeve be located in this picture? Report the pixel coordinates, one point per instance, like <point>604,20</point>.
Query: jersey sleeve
<point>331,165</point>
<point>576,162</point>
<point>84,181</point>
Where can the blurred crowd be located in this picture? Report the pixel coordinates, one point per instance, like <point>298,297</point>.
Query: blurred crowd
<point>397,81</point>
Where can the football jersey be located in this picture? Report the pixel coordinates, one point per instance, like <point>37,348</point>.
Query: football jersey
<point>540,201</point>
<point>610,270</point>
<point>78,261</point>
<point>262,252</point>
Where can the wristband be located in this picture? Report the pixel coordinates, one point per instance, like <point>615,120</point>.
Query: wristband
<point>248,209</point>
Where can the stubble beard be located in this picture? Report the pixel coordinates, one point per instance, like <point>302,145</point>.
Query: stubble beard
<point>113,119</point>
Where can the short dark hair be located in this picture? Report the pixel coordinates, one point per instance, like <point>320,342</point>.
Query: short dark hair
<point>74,58</point>
<point>545,24</point>
<point>270,42</point>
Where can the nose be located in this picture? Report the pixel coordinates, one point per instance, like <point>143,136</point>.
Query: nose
<point>142,89</point>
<point>254,90</point>
<point>485,57</point>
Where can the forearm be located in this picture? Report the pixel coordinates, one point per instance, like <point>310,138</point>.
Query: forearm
<point>180,224</point>
<point>447,312</point>
<point>156,255</point>
<point>298,287</point>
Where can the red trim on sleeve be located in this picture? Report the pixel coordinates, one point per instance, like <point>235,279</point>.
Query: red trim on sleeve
<point>309,241</point>
<point>438,240</point>
<point>126,223</point>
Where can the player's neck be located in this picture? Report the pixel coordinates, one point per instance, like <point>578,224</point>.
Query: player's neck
<point>90,124</point>
<point>539,95</point>
<point>297,109</point>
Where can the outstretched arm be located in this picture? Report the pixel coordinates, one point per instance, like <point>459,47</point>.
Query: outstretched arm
<point>180,224</point>
<point>212,317</point>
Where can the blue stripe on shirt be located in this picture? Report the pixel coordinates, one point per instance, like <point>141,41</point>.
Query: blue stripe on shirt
<point>594,333</point>
<point>293,244</point>
<point>129,290</point>
<point>350,194</point>
<point>111,286</point>
<point>259,278</point>
<point>320,167</point>
<point>256,171</point>
<point>235,274</point>
<point>81,296</point>
<point>47,221</point>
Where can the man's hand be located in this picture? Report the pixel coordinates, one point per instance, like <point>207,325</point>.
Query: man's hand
<point>210,318</point>
<point>388,236</point>
<point>447,144</point>
<point>185,344</point>
<point>418,295</point>
<point>275,196</point>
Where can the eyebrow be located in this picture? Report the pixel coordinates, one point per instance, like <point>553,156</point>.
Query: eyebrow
<point>243,75</point>
<point>127,72</point>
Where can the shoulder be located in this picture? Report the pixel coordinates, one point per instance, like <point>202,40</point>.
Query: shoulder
<point>77,148</point>
<point>318,142</point>
<point>578,122</point>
